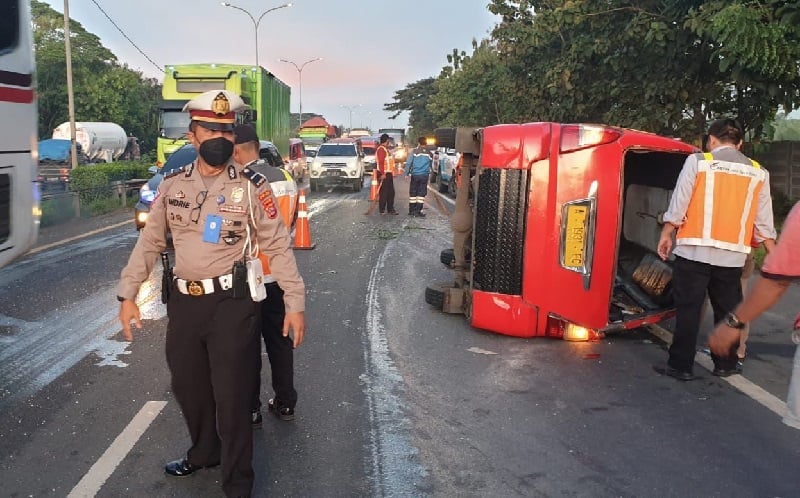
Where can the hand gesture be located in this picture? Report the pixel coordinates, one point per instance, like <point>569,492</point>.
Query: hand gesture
<point>129,312</point>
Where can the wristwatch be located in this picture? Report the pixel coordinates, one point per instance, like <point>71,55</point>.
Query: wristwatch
<point>733,321</point>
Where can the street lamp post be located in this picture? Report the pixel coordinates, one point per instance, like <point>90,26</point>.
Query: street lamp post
<point>350,108</point>
<point>256,22</point>
<point>300,81</point>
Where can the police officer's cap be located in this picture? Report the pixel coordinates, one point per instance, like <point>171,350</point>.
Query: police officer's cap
<point>215,109</point>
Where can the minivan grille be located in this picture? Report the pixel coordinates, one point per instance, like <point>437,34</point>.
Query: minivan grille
<point>500,230</point>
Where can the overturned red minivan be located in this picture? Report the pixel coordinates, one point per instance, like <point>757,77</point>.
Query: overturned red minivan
<point>555,234</point>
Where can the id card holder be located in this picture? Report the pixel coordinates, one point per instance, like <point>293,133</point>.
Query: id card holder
<point>212,229</point>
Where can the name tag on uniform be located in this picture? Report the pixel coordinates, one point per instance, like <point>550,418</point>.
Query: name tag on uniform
<point>212,229</point>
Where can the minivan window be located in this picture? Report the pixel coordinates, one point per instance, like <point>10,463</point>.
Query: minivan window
<point>345,150</point>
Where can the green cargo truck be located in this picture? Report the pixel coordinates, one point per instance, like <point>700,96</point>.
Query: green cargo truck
<point>267,96</point>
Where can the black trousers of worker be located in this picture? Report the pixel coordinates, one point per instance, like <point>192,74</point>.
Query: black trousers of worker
<point>690,281</point>
<point>213,351</point>
<point>386,194</point>
<point>280,350</point>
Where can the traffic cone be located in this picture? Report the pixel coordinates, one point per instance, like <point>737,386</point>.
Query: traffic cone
<point>302,234</point>
<point>373,192</point>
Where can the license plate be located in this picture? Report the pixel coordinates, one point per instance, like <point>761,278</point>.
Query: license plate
<point>574,243</point>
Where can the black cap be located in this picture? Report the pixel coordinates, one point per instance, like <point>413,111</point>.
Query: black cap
<point>384,137</point>
<point>245,133</point>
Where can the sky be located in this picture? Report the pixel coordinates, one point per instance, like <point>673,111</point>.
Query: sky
<point>370,49</point>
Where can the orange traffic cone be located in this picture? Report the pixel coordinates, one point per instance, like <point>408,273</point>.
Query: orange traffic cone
<point>302,235</point>
<point>373,192</point>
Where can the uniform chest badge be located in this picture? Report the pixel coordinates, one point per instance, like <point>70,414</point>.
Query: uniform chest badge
<point>220,199</point>
<point>237,194</point>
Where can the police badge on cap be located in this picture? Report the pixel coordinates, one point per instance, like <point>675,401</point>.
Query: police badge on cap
<point>215,109</point>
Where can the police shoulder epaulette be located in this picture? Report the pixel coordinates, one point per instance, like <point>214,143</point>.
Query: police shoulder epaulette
<point>255,177</point>
<point>174,172</point>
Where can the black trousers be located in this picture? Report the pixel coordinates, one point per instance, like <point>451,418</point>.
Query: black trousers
<point>280,350</point>
<point>212,349</point>
<point>690,282</point>
<point>386,194</point>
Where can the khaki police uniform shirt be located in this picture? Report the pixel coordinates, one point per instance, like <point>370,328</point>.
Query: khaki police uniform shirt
<point>181,208</point>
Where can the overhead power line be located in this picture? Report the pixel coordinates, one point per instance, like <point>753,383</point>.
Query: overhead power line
<point>127,37</point>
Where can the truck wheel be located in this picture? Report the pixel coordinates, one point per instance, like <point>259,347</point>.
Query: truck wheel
<point>434,295</point>
<point>448,257</point>
<point>445,137</point>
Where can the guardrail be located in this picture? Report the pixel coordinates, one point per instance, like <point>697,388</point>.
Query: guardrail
<point>66,198</point>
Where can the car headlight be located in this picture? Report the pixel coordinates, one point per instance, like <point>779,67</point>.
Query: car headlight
<point>146,195</point>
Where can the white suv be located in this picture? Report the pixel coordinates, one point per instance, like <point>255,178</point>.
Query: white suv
<point>338,162</point>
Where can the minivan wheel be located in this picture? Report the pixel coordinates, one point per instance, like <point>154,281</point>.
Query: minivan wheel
<point>314,185</point>
<point>434,295</point>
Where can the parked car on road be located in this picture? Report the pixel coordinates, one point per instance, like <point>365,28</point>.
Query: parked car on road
<point>369,146</point>
<point>340,162</point>
<point>443,173</point>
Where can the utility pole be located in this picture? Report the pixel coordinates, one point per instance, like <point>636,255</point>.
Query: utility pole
<point>70,98</point>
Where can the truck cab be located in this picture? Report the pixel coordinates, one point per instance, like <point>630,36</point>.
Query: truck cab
<point>556,229</point>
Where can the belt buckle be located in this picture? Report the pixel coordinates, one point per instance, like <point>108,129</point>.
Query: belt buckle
<point>195,288</point>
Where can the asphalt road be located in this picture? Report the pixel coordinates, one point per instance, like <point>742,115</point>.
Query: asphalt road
<point>396,399</point>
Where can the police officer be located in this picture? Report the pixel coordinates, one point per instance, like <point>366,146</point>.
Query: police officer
<point>280,347</point>
<point>213,207</point>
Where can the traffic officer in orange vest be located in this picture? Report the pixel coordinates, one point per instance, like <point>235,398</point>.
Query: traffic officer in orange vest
<point>384,163</point>
<point>280,347</point>
<point>213,207</point>
<point>720,198</point>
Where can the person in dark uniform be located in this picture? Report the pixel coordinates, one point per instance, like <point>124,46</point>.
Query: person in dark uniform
<point>418,167</point>
<point>272,312</point>
<point>214,209</point>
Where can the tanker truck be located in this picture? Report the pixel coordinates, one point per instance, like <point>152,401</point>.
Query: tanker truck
<point>100,141</point>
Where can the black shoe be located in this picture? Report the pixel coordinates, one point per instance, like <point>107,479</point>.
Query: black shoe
<point>675,374</point>
<point>727,372</point>
<point>282,412</point>
<point>182,468</point>
<point>420,215</point>
<point>256,419</point>
<point>393,212</point>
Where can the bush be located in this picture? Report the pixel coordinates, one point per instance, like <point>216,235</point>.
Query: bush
<point>57,209</point>
<point>91,181</point>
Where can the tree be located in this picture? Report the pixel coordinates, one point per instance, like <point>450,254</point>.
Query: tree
<point>103,89</point>
<point>414,98</point>
<point>660,66</point>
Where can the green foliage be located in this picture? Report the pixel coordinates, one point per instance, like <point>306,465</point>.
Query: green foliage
<point>103,89</point>
<point>414,98</point>
<point>92,182</point>
<point>57,209</point>
<point>664,67</point>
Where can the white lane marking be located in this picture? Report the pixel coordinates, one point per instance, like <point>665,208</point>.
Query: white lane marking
<point>81,236</point>
<point>113,456</point>
<point>747,387</point>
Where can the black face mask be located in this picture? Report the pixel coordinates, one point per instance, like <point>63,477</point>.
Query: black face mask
<point>216,151</point>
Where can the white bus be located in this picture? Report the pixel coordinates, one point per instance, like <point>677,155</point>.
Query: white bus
<point>19,192</point>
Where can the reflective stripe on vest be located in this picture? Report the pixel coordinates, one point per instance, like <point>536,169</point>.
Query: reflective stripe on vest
<point>723,206</point>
